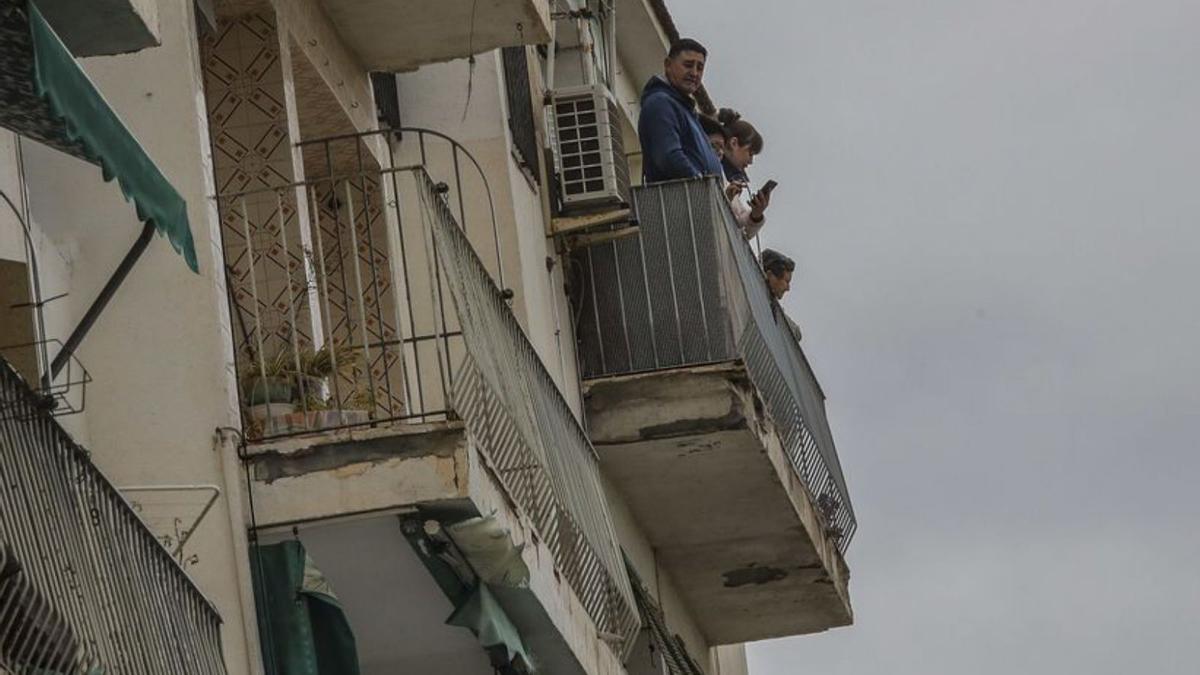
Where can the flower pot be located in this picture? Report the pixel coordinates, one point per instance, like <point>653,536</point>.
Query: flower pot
<point>264,390</point>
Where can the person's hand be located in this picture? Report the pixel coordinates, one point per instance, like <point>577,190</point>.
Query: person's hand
<point>734,188</point>
<point>758,204</point>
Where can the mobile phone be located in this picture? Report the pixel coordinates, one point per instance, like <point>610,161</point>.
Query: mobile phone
<point>765,190</point>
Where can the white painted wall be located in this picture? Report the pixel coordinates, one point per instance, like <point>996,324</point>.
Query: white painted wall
<point>161,354</point>
<point>436,97</point>
<point>54,258</point>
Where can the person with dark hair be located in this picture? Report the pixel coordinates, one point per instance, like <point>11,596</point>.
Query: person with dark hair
<point>747,220</point>
<point>674,145</point>
<point>778,269</point>
<point>742,143</point>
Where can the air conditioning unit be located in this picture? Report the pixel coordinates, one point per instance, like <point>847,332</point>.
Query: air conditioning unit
<point>589,156</point>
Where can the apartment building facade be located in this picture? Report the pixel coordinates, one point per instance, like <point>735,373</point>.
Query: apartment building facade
<point>373,330</point>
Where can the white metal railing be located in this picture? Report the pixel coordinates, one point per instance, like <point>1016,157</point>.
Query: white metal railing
<point>85,587</point>
<point>527,433</point>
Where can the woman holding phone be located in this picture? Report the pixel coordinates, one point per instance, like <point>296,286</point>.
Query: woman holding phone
<point>742,143</point>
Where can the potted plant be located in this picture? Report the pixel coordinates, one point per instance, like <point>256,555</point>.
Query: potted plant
<point>288,382</point>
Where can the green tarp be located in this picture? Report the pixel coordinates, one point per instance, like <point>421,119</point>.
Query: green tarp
<point>90,124</point>
<point>301,625</point>
<point>483,615</point>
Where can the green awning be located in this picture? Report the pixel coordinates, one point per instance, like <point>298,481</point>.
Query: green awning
<point>483,615</point>
<point>46,96</point>
<point>302,628</point>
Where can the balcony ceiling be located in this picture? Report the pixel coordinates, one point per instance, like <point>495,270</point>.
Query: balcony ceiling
<point>394,606</point>
<point>400,35</point>
<point>728,521</point>
<point>103,27</point>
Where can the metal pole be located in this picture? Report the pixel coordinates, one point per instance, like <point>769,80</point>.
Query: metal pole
<point>301,379</point>
<point>100,303</point>
<point>330,344</point>
<point>362,307</point>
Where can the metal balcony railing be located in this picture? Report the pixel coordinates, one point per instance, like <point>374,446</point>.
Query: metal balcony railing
<point>338,314</point>
<point>527,433</point>
<point>85,587</point>
<point>382,269</point>
<point>686,291</point>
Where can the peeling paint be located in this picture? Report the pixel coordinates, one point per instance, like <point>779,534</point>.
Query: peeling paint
<point>353,457</point>
<point>734,419</point>
<point>752,574</point>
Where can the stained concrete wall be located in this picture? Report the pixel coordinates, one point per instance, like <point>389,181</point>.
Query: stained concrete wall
<point>656,579</point>
<point>467,103</point>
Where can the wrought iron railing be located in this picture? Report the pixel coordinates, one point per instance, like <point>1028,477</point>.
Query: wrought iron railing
<point>455,349</point>
<point>527,433</point>
<point>85,587</point>
<point>334,324</point>
<point>687,290</point>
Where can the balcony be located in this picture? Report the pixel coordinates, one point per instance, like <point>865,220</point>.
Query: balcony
<point>85,587</point>
<point>103,27</point>
<point>709,421</point>
<point>399,35</point>
<point>394,406</point>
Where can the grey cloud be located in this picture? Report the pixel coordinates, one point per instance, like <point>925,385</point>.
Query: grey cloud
<point>995,211</point>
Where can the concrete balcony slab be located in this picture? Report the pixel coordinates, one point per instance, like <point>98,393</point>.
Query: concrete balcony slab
<point>346,495</point>
<point>400,35</point>
<point>103,27</point>
<point>705,474</point>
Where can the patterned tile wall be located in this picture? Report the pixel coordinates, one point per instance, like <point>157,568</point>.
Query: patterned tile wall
<point>251,151</point>
<point>243,80</point>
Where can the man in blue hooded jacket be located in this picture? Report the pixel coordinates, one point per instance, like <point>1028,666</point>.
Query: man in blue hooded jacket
<point>673,143</point>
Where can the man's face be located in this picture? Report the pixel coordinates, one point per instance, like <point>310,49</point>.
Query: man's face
<point>685,71</point>
<point>779,284</point>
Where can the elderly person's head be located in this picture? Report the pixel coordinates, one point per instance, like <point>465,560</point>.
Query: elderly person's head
<point>777,268</point>
<point>684,66</point>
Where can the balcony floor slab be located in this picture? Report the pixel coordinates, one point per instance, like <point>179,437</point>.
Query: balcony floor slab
<point>706,476</point>
<point>399,35</point>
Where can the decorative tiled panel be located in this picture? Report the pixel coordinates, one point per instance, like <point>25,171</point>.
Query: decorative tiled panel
<point>253,163</point>
<point>243,80</point>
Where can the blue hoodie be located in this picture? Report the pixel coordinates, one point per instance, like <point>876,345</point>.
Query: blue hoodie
<point>673,143</point>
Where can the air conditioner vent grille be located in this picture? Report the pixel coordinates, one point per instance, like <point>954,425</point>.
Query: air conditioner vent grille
<point>590,158</point>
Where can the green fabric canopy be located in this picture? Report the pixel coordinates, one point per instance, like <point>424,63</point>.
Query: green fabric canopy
<point>483,615</point>
<point>302,628</point>
<point>91,124</point>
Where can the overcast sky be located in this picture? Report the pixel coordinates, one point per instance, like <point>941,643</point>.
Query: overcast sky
<point>996,211</point>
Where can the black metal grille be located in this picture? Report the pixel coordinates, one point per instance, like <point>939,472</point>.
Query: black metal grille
<point>84,586</point>
<point>520,108</point>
